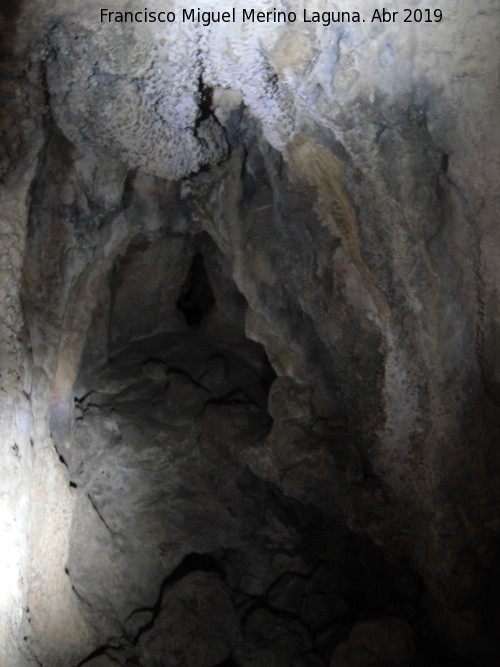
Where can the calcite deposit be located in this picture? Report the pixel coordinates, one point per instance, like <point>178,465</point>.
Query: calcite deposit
<point>250,371</point>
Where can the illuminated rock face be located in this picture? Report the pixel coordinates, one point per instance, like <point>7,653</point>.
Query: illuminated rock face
<point>249,339</point>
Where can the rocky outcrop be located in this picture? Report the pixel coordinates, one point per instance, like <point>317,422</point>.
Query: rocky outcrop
<point>248,335</point>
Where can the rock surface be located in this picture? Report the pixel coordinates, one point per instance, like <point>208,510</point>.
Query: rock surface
<point>249,316</point>
<point>384,642</point>
<point>197,625</point>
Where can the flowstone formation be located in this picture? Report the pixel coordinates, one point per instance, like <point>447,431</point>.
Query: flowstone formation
<point>250,372</point>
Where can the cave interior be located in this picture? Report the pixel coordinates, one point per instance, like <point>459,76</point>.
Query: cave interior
<point>249,342</point>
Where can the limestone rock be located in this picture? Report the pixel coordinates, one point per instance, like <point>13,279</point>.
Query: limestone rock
<point>270,640</point>
<point>197,625</point>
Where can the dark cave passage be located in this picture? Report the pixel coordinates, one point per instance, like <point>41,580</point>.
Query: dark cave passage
<point>197,297</point>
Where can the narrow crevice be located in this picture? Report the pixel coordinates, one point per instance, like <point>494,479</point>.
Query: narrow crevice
<point>205,102</point>
<point>197,298</point>
<point>128,189</point>
<point>101,650</point>
<point>99,514</point>
<point>234,397</point>
<point>181,372</point>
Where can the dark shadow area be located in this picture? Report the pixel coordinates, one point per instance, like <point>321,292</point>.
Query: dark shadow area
<point>9,12</point>
<point>197,298</point>
<point>10,9</point>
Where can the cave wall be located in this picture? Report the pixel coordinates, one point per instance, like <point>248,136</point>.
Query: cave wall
<point>347,177</point>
